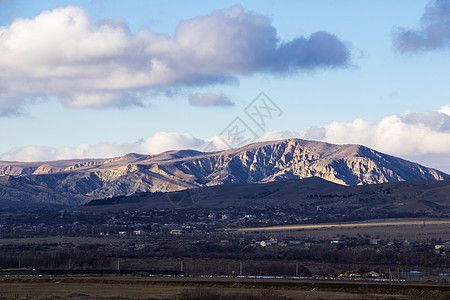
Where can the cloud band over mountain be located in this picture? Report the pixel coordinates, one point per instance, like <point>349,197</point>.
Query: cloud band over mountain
<point>421,137</point>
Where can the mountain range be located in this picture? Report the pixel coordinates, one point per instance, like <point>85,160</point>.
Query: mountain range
<point>74,182</point>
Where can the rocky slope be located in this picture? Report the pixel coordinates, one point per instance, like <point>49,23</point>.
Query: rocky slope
<point>77,181</point>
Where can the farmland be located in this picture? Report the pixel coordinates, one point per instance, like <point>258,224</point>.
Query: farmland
<point>183,288</point>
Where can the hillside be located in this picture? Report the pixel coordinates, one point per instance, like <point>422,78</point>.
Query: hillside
<point>72,182</point>
<point>314,197</point>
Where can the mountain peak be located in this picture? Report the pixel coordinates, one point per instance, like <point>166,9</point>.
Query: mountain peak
<point>82,180</point>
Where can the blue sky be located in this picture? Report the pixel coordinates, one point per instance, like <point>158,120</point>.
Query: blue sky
<point>367,72</point>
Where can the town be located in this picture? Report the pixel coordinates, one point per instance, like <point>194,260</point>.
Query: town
<point>211,242</point>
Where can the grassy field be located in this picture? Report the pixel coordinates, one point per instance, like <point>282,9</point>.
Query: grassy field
<point>126,287</point>
<point>416,229</point>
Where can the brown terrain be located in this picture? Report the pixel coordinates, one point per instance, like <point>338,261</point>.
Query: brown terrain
<point>210,288</point>
<point>313,196</point>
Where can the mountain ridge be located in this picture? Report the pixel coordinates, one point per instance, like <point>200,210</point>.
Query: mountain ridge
<point>78,181</point>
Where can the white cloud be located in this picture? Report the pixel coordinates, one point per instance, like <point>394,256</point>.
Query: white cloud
<point>278,135</point>
<point>208,99</point>
<point>159,142</point>
<point>445,109</point>
<point>163,141</point>
<point>404,135</point>
<point>420,137</point>
<point>61,53</point>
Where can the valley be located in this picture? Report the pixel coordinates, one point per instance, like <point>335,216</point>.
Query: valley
<point>286,210</point>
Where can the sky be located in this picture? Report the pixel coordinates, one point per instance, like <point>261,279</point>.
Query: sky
<point>91,79</point>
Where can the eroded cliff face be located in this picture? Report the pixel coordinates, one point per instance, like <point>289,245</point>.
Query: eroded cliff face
<point>289,159</point>
<point>75,182</point>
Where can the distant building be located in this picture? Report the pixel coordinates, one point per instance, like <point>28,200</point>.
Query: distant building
<point>267,243</point>
<point>338,242</point>
<point>442,248</point>
<point>376,242</point>
<point>177,232</point>
<point>372,274</point>
<point>249,217</point>
<point>409,243</point>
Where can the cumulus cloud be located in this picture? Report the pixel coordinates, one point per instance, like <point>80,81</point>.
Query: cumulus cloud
<point>423,137</point>
<point>64,55</point>
<point>209,99</point>
<point>420,137</point>
<point>163,141</point>
<point>445,109</point>
<point>159,142</point>
<point>433,32</point>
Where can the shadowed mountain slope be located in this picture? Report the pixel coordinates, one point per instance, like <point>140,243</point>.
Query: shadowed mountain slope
<point>314,197</point>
